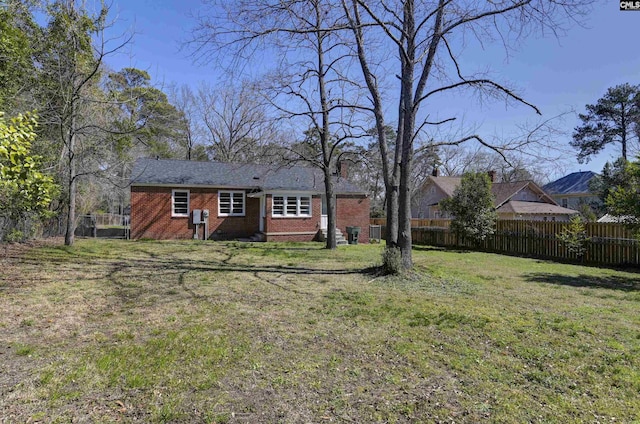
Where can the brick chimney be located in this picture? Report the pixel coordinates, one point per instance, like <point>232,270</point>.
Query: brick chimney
<point>343,168</point>
<point>492,176</point>
<point>435,172</point>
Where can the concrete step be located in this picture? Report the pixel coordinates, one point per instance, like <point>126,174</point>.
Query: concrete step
<point>340,239</point>
<point>338,231</point>
<point>257,237</point>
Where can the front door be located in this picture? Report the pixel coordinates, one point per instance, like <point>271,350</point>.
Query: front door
<point>323,217</point>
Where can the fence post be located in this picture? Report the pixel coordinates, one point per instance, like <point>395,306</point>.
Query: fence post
<point>94,226</point>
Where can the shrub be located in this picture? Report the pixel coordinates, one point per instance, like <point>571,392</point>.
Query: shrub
<point>574,236</point>
<point>14,236</point>
<point>392,261</point>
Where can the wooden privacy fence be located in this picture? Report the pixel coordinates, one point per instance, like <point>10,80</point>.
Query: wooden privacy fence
<point>607,243</point>
<point>444,223</point>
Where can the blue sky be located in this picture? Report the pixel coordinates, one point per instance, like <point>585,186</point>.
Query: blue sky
<point>554,74</point>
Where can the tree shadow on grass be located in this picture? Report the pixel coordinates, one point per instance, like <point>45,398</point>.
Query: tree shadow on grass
<point>278,247</point>
<point>425,248</point>
<point>154,267</point>
<point>587,281</point>
<point>150,272</point>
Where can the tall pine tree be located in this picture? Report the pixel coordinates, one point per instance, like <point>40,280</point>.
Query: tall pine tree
<point>612,120</point>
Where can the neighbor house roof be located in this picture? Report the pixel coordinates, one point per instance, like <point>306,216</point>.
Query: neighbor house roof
<point>617,219</point>
<point>447,184</point>
<point>574,183</point>
<point>534,208</point>
<point>505,191</point>
<point>169,172</point>
<point>502,192</point>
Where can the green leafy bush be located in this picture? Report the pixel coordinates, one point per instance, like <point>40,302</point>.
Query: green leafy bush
<point>24,189</point>
<point>575,237</point>
<point>14,236</point>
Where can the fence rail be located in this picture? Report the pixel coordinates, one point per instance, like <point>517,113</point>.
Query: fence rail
<point>103,225</point>
<point>111,220</point>
<point>607,244</point>
<point>440,223</point>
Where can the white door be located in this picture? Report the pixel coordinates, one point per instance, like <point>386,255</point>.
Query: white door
<point>323,217</point>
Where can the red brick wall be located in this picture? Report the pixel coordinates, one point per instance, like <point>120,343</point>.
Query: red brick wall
<point>293,225</point>
<point>353,211</point>
<point>151,215</point>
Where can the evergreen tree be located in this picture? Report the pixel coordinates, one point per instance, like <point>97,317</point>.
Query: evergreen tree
<point>148,122</point>
<point>612,175</point>
<point>574,237</point>
<point>472,206</point>
<point>613,119</point>
<point>623,200</point>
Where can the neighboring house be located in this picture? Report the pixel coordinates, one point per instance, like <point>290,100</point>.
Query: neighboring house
<point>522,200</point>
<point>276,203</point>
<point>611,219</point>
<point>572,191</point>
<point>625,219</point>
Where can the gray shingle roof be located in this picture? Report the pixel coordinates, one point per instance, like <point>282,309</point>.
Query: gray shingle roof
<point>230,175</point>
<point>577,182</point>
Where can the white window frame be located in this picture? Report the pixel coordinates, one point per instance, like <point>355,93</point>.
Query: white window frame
<point>173,203</point>
<point>231,205</point>
<point>286,204</point>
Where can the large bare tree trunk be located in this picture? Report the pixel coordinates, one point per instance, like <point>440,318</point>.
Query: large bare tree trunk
<point>327,154</point>
<point>390,174</point>
<point>406,134</point>
<point>331,209</point>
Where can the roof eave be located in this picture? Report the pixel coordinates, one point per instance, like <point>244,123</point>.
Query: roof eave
<point>263,190</point>
<point>194,185</point>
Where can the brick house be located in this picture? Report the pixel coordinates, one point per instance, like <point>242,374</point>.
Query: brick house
<point>242,200</point>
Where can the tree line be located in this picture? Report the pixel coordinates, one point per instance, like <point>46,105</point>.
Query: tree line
<point>83,124</point>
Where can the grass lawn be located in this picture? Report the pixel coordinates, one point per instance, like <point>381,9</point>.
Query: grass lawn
<point>122,331</point>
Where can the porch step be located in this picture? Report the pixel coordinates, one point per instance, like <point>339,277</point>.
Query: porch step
<point>257,237</point>
<point>340,240</point>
